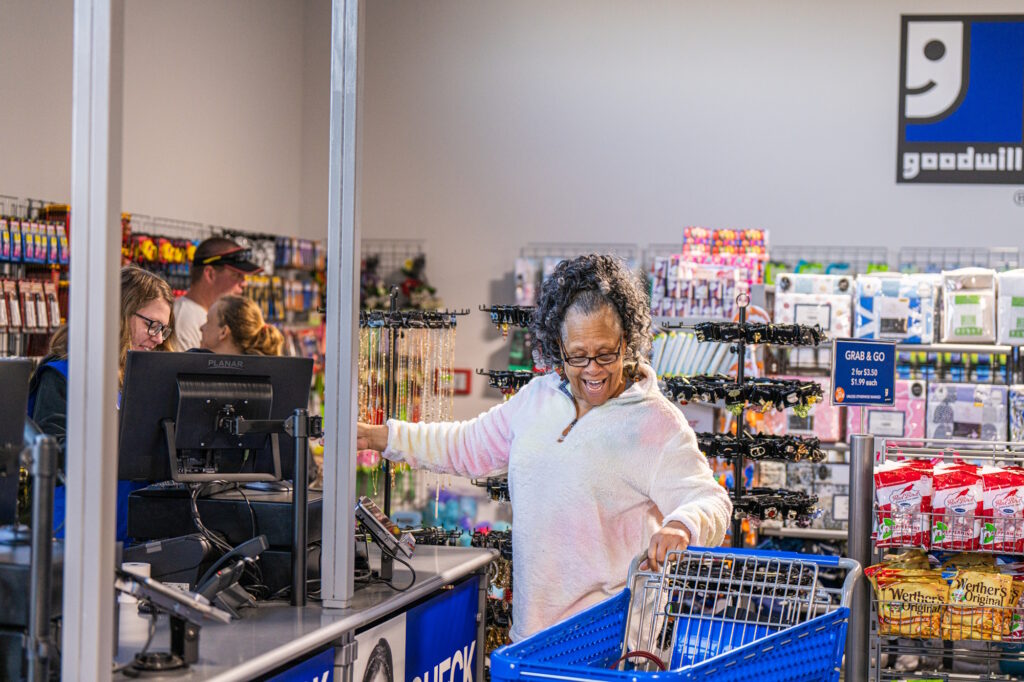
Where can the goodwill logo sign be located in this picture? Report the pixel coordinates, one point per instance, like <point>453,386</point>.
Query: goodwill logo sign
<point>961,107</point>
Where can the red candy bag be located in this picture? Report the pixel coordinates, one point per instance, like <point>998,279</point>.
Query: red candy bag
<point>957,507</point>
<point>903,493</point>
<point>1003,509</point>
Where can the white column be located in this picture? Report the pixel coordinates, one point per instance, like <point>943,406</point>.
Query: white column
<point>87,640</point>
<point>341,401</point>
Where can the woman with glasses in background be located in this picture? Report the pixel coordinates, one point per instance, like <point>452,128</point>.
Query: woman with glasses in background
<point>147,322</point>
<point>601,466</point>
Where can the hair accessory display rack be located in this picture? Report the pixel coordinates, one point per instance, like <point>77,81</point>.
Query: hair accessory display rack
<point>798,336</point>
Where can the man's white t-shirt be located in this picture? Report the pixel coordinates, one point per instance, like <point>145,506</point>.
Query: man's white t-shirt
<point>189,316</point>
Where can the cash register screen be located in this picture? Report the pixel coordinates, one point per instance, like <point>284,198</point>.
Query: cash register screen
<point>257,387</point>
<point>14,375</point>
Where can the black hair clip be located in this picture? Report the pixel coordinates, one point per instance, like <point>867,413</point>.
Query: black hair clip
<point>770,504</point>
<point>505,316</point>
<point>756,332</point>
<point>761,447</point>
<point>761,393</point>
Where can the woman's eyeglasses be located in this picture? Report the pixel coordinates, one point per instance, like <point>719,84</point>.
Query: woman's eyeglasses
<point>155,327</point>
<point>584,360</point>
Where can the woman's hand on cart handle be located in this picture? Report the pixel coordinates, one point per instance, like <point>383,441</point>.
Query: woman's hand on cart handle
<point>371,437</point>
<point>672,536</point>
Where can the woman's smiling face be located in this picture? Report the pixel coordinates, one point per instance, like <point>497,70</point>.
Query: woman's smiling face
<point>596,334</point>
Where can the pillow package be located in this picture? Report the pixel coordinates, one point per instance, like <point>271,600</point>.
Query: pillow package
<point>905,419</point>
<point>976,411</point>
<point>969,305</point>
<point>1011,307</point>
<point>824,300</point>
<point>896,307</point>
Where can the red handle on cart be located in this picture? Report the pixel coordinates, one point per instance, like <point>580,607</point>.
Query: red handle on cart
<point>639,654</point>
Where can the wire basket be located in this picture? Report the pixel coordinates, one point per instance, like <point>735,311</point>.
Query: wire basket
<point>710,613</point>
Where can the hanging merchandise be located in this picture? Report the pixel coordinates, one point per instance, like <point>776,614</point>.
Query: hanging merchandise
<point>823,420</point>
<point>786,334</point>
<point>904,419</point>
<point>969,305</point>
<point>762,394</point>
<point>507,381</point>
<point>769,504</point>
<point>504,317</point>
<point>1011,307</point>
<point>682,287</point>
<point>973,411</point>
<point>761,447</point>
<point>815,300</point>
<point>679,353</point>
<point>703,240</point>
<point>895,307</point>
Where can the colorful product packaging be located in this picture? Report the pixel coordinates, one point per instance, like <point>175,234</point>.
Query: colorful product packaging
<point>903,495</point>
<point>969,305</point>
<point>905,419</point>
<point>1011,307</point>
<point>895,307</point>
<point>824,420</point>
<point>527,281</point>
<point>1017,413</point>
<point>977,411</point>
<point>911,602</point>
<point>979,606</point>
<point>957,491</point>
<point>1003,509</point>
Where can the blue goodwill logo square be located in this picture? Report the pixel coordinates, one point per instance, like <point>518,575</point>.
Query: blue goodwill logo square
<point>961,99</point>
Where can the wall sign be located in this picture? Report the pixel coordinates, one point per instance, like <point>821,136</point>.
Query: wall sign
<point>863,372</point>
<point>961,110</point>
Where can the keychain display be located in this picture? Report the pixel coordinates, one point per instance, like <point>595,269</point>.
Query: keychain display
<point>752,332</point>
<point>760,393</point>
<point>775,504</point>
<point>504,317</point>
<point>507,381</point>
<point>761,447</point>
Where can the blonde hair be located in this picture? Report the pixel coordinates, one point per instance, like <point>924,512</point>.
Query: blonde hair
<point>250,333</point>
<point>138,288</point>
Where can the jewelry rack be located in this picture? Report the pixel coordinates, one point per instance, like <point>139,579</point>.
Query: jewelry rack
<point>737,393</point>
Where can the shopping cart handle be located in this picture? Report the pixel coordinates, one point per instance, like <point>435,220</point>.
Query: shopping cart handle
<point>818,559</point>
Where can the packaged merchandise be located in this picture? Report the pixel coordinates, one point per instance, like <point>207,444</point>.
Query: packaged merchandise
<point>1010,316</point>
<point>5,240</point>
<point>977,411</point>
<point>1017,413</point>
<point>823,421</point>
<point>13,304</point>
<point>1003,509</point>
<point>527,279</point>
<point>957,491</point>
<point>903,495</point>
<point>1015,632</point>
<point>904,419</point>
<point>16,242</point>
<point>969,305</point>
<point>979,604</point>
<point>911,602</point>
<point>895,307</point>
<point>682,287</point>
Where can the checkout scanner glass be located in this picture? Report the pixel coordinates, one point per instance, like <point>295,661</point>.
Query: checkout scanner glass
<point>179,399</point>
<point>14,377</point>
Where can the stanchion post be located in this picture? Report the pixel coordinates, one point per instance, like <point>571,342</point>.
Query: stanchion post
<point>39,648</point>
<point>862,454</point>
<point>300,488</point>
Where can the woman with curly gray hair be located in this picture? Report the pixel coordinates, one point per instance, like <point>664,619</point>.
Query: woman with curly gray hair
<point>600,464</point>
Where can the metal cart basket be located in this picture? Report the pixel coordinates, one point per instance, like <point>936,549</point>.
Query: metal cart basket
<point>730,615</point>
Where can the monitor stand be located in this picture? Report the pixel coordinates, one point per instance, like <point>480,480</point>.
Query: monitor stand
<point>269,486</point>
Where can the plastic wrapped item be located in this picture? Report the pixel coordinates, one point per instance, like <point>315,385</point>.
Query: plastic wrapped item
<point>1017,412</point>
<point>1003,509</point>
<point>957,492</point>
<point>823,300</point>
<point>903,496</point>
<point>977,411</point>
<point>896,308</point>
<point>1011,307</point>
<point>905,419</point>
<point>527,280</point>
<point>969,305</point>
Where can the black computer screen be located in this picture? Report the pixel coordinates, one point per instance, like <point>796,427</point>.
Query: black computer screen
<point>14,376</point>
<point>190,390</point>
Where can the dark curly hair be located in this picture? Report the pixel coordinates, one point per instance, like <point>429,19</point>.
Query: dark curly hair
<point>587,284</point>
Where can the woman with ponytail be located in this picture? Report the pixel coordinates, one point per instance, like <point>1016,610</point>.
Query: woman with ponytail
<point>235,326</point>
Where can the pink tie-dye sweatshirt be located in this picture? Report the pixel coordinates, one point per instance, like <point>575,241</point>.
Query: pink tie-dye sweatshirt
<point>582,508</point>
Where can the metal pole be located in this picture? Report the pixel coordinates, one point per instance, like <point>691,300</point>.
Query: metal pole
<point>862,454</point>
<point>44,472</point>
<point>88,612</point>
<point>739,464</point>
<point>390,393</point>
<point>341,401</point>
<point>300,489</point>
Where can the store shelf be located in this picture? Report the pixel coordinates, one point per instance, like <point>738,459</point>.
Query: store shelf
<point>975,348</point>
<point>804,533</point>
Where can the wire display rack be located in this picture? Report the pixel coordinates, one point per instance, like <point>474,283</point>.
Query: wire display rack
<point>858,258</point>
<point>939,258</point>
<point>947,641</point>
<point>627,252</point>
<point>392,253</point>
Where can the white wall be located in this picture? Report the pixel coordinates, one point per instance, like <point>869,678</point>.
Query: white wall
<point>488,125</point>
<point>214,109</point>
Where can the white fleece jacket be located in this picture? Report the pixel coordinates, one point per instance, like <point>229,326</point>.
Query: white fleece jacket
<point>583,508</point>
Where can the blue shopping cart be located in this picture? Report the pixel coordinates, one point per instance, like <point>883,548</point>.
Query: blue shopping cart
<point>730,615</point>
